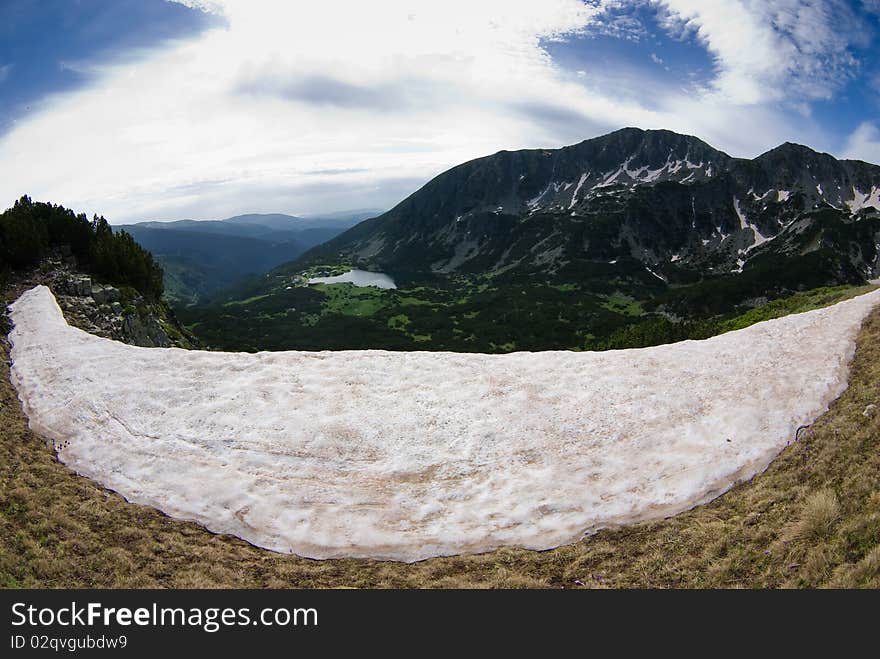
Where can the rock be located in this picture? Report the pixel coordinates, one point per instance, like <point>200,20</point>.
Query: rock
<point>116,308</point>
<point>144,331</point>
<point>113,294</point>
<point>98,294</point>
<point>84,286</point>
<point>870,411</point>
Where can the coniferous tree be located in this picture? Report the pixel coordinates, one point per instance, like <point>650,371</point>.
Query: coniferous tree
<point>29,230</point>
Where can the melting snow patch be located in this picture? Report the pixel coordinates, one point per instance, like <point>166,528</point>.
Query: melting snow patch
<point>406,455</point>
<point>759,238</point>
<point>577,190</point>
<point>660,277</point>
<point>862,200</point>
<point>610,178</point>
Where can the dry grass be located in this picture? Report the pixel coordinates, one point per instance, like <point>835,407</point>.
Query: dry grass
<point>820,512</point>
<point>812,519</point>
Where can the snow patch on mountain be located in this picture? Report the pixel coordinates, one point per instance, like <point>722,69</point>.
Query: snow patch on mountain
<point>759,238</point>
<point>580,184</point>
<point>407,455</point>
<point>862,200</point>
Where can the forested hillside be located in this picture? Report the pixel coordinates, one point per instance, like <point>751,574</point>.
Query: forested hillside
<point>29,230</point>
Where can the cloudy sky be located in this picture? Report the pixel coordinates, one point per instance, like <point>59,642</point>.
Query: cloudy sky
<point>156,109</point>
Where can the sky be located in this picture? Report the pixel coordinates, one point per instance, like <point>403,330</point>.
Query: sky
<point>169,109</point>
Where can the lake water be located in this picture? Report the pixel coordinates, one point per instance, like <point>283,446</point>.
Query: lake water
<point>358,278</point>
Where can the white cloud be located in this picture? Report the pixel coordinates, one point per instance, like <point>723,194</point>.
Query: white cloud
<point>864,143</point>
<point>767,51</point>
<point>392,89</point>
<point>4,71</point>
<point>303,107</point>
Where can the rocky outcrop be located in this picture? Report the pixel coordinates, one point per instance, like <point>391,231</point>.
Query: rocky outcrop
<point>105,310</point>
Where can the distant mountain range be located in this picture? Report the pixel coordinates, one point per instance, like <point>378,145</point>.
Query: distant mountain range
<point>201,256</point>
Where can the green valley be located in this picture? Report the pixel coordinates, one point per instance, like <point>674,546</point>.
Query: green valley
<point>473,313</point>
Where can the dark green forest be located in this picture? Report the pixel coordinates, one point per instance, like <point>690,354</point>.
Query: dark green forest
<point>31,230</point>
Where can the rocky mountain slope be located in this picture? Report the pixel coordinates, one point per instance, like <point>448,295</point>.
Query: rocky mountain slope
<point>119,313</point>
<point>670,202</point>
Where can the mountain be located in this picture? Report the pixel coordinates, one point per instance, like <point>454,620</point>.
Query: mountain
<point>669,201</point>
<point>629,238</point>
<point>275,221</point>
<point>200,256</point>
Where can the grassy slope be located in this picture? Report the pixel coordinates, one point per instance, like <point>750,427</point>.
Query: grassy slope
<point>812,519</point>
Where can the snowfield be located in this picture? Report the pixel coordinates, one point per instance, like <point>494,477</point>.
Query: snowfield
<point>407,455</point>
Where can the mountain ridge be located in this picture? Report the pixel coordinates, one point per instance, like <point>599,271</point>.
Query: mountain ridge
<point>728,197</point>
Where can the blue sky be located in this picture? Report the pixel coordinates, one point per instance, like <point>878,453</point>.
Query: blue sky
<point>159,109</point>
<point>46,45</point>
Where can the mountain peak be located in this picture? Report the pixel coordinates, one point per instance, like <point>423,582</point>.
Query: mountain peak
<point>653,195</point>
<point>794,150</point>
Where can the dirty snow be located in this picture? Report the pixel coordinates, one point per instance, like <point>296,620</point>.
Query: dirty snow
<point>577,190</point>
<point>534,201</point>
<point>862,200</point>
<point>610,178</point>
<point>759,238</point>
<point>406,455</point>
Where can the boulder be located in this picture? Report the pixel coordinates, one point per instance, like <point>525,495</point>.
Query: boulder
<point>98,294</point>
<point>84,286</point>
